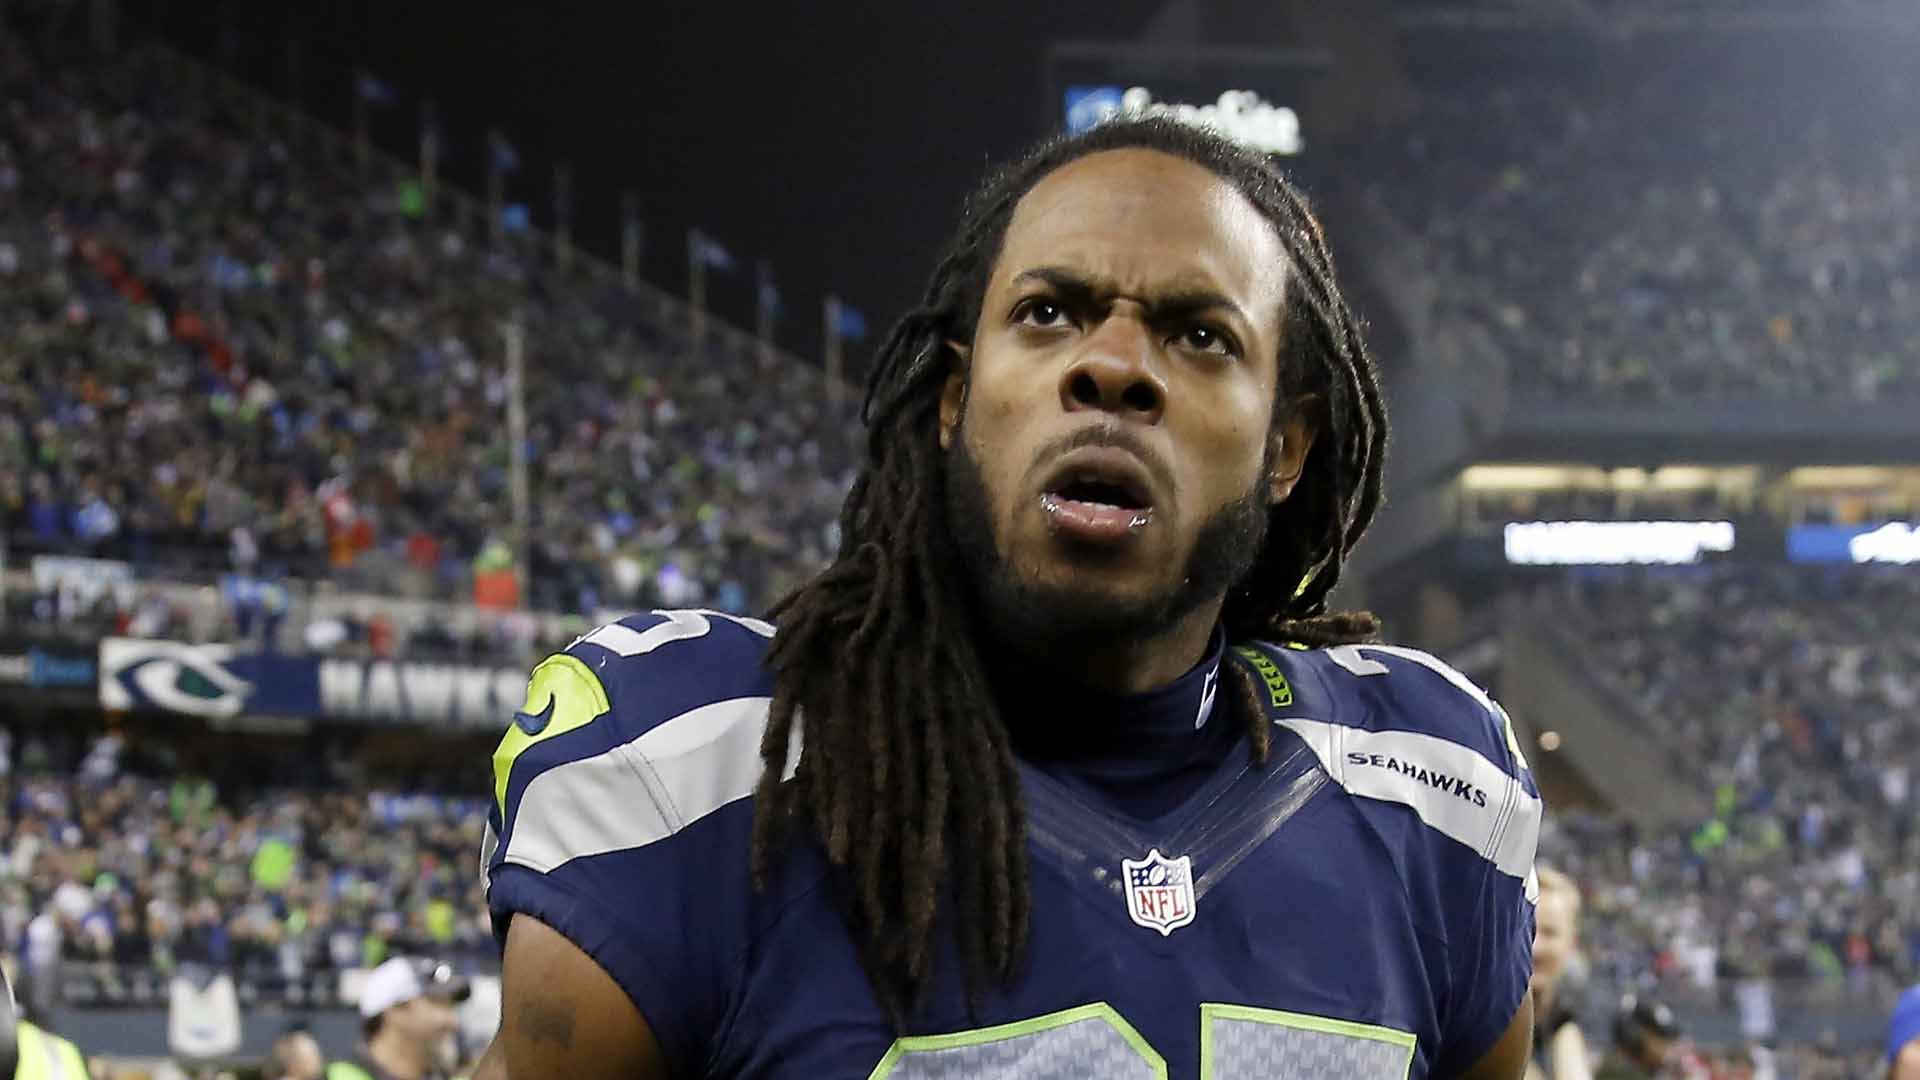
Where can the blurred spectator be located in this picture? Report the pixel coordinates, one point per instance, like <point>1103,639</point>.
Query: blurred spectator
<point>1560,1047</point>
<point>408,1006</point>
<point>1903,1037</point>
<point>295,1056</point>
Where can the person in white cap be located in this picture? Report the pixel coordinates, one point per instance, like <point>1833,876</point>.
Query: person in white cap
<point>407,1017</point>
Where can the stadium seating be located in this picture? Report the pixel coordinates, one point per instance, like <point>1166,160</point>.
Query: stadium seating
<point>1793,695</point>
<point>224,352</point>
<point>116,880</point>
<point>1667,226</point>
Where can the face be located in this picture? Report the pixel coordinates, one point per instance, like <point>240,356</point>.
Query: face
<point>303,1059</point>
<point>1553,937</point>
<point>1110,428</point>
<point>425,1021</point>
<point>1653,1051</point>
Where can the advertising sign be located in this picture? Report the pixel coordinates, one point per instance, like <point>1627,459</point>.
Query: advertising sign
<point>1611,543</point>
<point>47,669</point>
<point>221,682</point>
<point>1253,95</point>
<point>81,582</point>
<point>1241,114</point>
<point>1893,542</point>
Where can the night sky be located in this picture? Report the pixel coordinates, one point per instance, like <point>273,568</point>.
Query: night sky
<point>835,140</point>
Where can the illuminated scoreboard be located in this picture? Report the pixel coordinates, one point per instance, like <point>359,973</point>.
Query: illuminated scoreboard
<point>1253,95</point>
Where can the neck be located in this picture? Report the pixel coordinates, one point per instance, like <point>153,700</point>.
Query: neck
<point>405,1060</point>
<point>1135,666</point>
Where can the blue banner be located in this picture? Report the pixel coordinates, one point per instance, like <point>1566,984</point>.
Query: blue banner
<point>47,669</point>
<point>1888,542</point>
<point>1087,106</point>
<point>221,681</point>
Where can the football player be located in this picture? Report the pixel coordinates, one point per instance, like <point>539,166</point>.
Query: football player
<point>1062,768</point>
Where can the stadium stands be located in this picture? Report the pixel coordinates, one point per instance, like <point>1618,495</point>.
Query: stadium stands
<point>115,879</point>
<point>1792,693</point>
<point>1648,224</point>
<point>222,352</point>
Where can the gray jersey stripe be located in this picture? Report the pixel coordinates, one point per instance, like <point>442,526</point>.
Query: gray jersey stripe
<point>642,791</point>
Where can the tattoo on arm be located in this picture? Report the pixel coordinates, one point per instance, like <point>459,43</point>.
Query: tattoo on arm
<point>546,1022</point>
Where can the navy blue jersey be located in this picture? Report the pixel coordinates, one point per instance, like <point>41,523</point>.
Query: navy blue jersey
<point>1358,907</point>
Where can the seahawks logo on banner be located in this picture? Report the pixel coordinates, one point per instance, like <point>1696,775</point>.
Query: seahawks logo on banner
<point>168,676</point>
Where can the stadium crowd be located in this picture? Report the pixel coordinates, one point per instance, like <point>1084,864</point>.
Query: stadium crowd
<point>1794,694</point>
<point>1662,226</point>
<point>222,351</point>
<point>112,879</point>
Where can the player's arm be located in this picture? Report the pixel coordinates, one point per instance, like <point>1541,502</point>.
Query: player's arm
<point>1907,1065</point>
<point>1508,1058</point>
<point>562,1015</point>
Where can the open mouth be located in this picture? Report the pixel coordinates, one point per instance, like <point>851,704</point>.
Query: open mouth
<point>1098,495</point>
<point>1096,492</point>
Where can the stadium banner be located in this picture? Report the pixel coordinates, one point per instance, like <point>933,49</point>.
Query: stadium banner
<point>46,667</point>
<point>80,582</point>
<point>1251,96</point>
<point>1615,543</point>
<point>1242,114</point>
<point>1890,542</point>
<point>218,682</point>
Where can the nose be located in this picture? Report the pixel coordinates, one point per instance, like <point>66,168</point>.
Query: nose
<point>1115,373</point>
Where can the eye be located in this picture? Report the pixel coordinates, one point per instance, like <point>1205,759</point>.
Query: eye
<point>1041,312</point>
<point>1206,339</point>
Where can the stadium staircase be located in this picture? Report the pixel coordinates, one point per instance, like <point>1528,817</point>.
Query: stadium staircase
<point>1617,751</point>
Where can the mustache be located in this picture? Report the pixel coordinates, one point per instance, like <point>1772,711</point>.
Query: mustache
<point>1112,436</point>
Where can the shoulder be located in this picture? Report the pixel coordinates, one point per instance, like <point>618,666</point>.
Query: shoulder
<point>659,714</point>
<point>1396,725</point>
<point>657,666</point>
<point>621,817</point>
<point>1392,689</point>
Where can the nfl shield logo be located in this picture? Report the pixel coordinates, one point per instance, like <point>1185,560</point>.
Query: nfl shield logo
<point>1159,891</point>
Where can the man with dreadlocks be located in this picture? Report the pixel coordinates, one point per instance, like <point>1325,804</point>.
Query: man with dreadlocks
<point>1062,768</point>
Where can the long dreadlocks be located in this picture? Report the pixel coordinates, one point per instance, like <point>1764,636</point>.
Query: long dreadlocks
<point>905,759</point>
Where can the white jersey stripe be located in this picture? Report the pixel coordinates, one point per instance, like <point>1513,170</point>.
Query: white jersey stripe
<point>1346,658</point>
<point>1453,788</point>
<point>489,844</point>
<point>645,790</point>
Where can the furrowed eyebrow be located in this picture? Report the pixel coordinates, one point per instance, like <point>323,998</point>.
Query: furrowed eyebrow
<point>1068,284</point>
<point>1076,287</point>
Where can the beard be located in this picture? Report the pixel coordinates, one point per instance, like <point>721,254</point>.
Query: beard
<point>1021,609</point>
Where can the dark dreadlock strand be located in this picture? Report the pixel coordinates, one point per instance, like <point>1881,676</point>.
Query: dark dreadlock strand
<point>905,771</point>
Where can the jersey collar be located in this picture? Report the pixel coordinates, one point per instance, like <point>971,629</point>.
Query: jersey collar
<point>1052,716</point>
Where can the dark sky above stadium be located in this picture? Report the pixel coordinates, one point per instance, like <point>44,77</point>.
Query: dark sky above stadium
<point>835,139</point>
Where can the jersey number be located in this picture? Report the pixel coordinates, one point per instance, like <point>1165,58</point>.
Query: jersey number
<point>1237,1042</point>
<point>679,626</point>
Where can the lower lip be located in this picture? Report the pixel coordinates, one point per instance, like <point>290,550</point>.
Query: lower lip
<point>1095,523</point>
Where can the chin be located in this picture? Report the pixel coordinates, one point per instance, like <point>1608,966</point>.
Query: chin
<point>1099,578</point>
<point>1072,601</point>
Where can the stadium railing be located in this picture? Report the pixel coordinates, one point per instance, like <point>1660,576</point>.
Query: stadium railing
<point>205,616</point>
